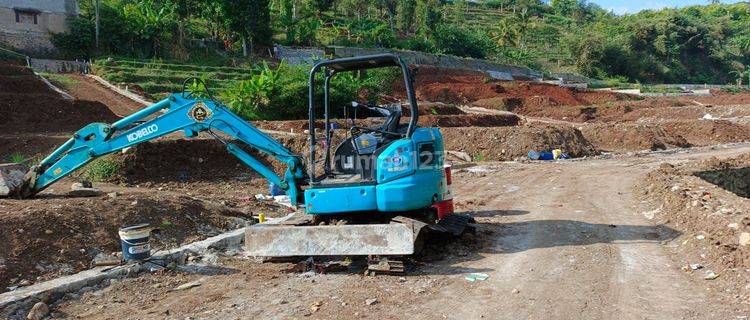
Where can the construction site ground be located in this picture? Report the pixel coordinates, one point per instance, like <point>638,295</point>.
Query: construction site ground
<point>610,234</point>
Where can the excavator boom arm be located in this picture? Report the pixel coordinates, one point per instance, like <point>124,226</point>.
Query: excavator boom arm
<point>179,113</point>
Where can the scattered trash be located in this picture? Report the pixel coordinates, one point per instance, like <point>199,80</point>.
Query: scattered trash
<point>186,286</point>
<point>372,301</point>
<point>556,154</point>
<point>307,274</point>
<point>477,277</point>
<point>279,301</point>
<point>710,275</point>
<point>700,237</point>
<point>734,226</point>
<point>38,312</point>
<point>692,267</point>
<point>516,291</point>
<point>708,116</point>
<point>275,190</point>
<point>283,200</point>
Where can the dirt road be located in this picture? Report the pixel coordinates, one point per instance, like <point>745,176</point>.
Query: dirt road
<point>85,88</point>
<point>565,240</point>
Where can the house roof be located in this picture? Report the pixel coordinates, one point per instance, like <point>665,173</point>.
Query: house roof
<point>38,6</point>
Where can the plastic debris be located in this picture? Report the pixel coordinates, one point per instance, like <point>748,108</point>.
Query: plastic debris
<point>477,277</point>
<point>710,275</point>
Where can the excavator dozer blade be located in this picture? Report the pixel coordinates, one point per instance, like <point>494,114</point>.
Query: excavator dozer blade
<point>12,179</point>
<point>395,238</point>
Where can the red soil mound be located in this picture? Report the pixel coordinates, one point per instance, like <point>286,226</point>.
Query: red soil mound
<point>461,86</point>
<point>28,105</point>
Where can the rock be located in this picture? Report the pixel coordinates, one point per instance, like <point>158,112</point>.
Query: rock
<point>734,226</point>
<point>103,259</point>
<point>516,291</point>
<point>700,237</point>
<point>11,177</point>
<point>710,275</point>
<point>186,286</point>
<point>695,266</point>
<point>650,214</point>
<point>419,290</point>
<point>278,301</point>
<point>38,311</point>
<point>371,301</point>
<point>744,238</point>
<point>307,274</point>
<point>316,306</point>
<point>112,195</point>
<point>83,189</point>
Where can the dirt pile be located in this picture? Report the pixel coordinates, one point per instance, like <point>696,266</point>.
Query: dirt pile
<point>56,235</point>
<point>511,143</point>
<point>460,120</point>
<point>30,106</point>
<point>462,87</point>
<point>706,201</point>
<point>660,135</point>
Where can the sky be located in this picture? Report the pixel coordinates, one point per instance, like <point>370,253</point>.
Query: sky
<point>633,6</point>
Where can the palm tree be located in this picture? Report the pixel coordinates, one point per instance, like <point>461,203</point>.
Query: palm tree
<point>507,33</point>
<point>740,74</point>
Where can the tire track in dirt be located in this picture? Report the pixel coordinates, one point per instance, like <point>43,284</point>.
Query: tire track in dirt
<point>579,252</point>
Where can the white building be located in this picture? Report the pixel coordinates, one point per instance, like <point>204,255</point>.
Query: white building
<point>27,25</point>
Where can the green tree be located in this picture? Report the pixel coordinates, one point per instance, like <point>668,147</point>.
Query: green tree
<point>251,19</point>
<point>148,20</point>
<point>405,13</point>
<point>428,16</point>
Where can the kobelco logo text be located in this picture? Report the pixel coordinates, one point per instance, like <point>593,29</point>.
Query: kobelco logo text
<point>142,132</point>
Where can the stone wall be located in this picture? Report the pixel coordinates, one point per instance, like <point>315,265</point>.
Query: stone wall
<point>298,56</point>
<point>33,36</point>
<point>58,66</point>
<point>27,42</point>
<point>496,70</point>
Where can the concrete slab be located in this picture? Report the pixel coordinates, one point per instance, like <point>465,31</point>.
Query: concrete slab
<point>371,239</point>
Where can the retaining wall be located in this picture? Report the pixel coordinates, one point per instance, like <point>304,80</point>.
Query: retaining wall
<point>58,66</point>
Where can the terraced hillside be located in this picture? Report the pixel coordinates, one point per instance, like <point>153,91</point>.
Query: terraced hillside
<point>156,79</point>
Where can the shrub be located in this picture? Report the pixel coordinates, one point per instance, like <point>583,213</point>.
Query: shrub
<point>455,40</point>
<point>101,169</point>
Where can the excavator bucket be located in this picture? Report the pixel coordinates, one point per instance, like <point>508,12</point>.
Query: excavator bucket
<point>396,238</point>
<point>12,179</point>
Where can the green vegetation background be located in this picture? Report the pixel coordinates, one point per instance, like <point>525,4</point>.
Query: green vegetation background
<point>698,44</point>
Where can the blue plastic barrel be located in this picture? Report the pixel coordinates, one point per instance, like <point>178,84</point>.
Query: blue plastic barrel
<point>274,190</point>
<point>134,242</point>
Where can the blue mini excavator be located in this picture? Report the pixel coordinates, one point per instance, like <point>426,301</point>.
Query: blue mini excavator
<point>371,195</point>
